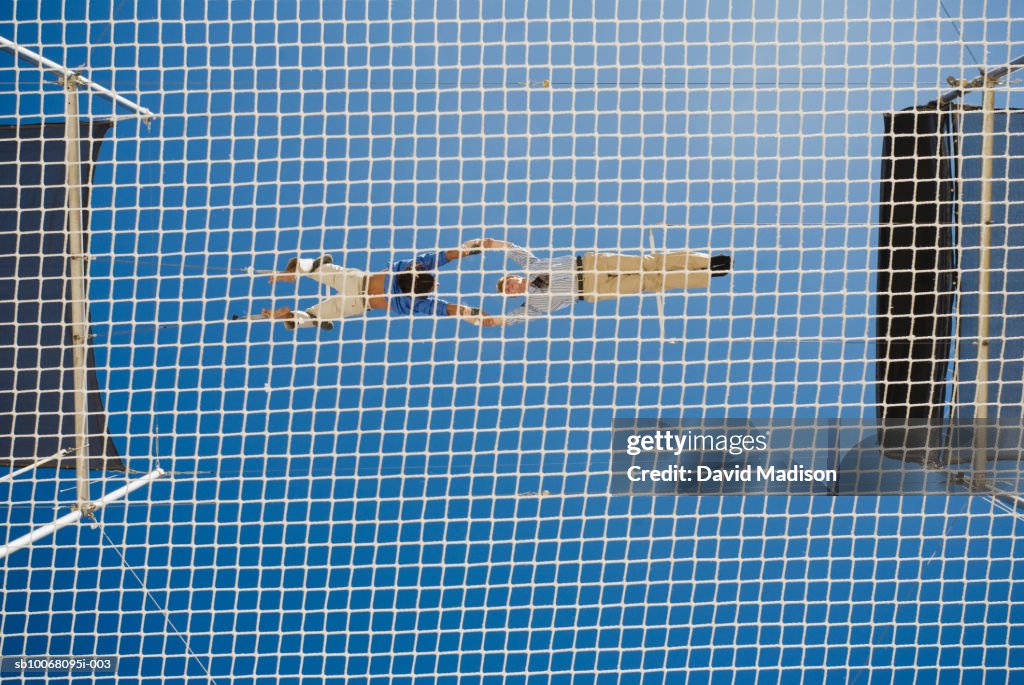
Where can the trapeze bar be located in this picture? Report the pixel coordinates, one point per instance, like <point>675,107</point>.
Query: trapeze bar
<point>63,521</point>
<point>661,296</point>
<point>65,73</point>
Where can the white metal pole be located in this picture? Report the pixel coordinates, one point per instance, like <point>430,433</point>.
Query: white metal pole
<point>76,257</point>
<point>34,465</point>
<point>981,399</point>
<point>50,528</point>
<point>64,73</point>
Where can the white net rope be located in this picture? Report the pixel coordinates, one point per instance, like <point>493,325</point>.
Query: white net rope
<point>418,497</point>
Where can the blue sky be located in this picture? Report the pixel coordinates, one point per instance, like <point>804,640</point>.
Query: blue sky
<point>360,504</point>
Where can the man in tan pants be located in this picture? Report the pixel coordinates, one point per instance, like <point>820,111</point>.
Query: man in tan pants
<point>609,275</point>
<point>553,284</point>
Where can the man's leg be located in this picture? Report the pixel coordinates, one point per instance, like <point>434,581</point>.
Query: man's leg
<point>679,270</point>
<point>351,297</point>
<point>615,263</point>
<point>297,266</point>
<point>658,281</point>
<point>680,260</point>
<point>611,274</point>
<point>293,320</point>
<point>606,275</point>
<point>350,300</point>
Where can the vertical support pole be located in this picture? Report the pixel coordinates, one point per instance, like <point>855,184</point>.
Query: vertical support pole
<point>981,398</point>
<point>76,257</point>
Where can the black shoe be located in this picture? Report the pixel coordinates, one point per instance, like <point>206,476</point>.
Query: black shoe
<point>720,265</point>
<point>321,260</point>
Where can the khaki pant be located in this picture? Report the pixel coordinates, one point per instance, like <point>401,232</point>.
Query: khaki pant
<point>350,300</point>
<point>608,275</point>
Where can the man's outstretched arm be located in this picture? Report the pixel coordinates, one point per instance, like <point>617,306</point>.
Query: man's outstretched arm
<point>476,246</point>
<point>474,315</point>
<point>520,255</point>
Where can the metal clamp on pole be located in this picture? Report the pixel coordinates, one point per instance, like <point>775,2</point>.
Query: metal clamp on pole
<point>72,80</point>
<point>962,87</point>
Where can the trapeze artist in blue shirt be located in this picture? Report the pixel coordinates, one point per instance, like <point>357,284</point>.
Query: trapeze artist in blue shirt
<point>407,287</point>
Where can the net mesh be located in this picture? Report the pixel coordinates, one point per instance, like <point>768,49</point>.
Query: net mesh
<point>416,497</point>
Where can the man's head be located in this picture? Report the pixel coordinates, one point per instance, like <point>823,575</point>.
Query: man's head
<point>513,284</point>
<point>416,282</point>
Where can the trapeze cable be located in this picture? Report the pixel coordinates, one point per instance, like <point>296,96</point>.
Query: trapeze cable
<point>166,614</point>
<point>160,262</point>
<point>234,318</point>
<point>959,34</point>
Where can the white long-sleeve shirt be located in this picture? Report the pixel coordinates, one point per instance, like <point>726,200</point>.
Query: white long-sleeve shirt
<point>553,284</point>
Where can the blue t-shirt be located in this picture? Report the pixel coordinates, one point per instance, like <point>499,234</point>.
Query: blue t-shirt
<point>403,303</point>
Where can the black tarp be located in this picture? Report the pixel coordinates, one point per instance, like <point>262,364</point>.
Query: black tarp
<point>37,408</point>
<point>917,281</point>
<point>916,266</point>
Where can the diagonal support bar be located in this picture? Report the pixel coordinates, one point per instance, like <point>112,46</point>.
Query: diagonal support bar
<point>66,74</point>
<point>34,465</point>
<point>67,519</point>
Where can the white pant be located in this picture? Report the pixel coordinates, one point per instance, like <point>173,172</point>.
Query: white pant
<point>350,300</point>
